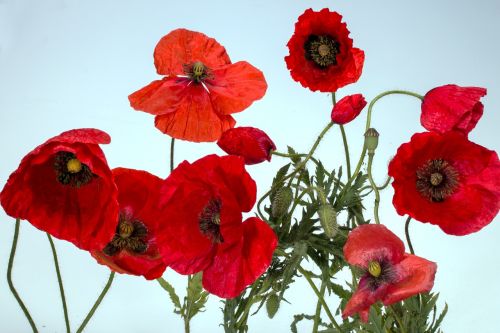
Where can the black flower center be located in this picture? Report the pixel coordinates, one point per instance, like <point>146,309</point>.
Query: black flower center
<point>322,50</point>
<point>209,220</point>
<point>379,272</point>
<point>197,71</point>
<point>71,171</point>
<point>437,180</point>
<point>130,236</point>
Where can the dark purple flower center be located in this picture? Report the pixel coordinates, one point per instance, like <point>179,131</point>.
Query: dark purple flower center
<point>437,180</point>
<point>379,272</point>
<point>131,235</point>
<point>209,220</point>
<point>70,171</point>
<point>322,50</point>
<point>197,71</point>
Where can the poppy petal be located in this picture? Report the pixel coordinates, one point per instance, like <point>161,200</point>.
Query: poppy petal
<point>253,144</point>
<point>236,266</point>
<point>182,46</point>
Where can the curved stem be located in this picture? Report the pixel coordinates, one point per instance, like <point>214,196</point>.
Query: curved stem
<point>374,187</point>
<point>390,92</point>
<point>346,150</point>
<point>9,278</point>
<point>385,184</point>
<point>97,303</point>
<point>321,299</point>
<point>59,281</point>
<point>172,143</point>
<point>407,233</point>
<point>318,308</point>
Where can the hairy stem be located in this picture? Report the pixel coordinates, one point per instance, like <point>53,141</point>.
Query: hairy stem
<point>374,187</point>
<point>346,150</point>
<point>407,233</point>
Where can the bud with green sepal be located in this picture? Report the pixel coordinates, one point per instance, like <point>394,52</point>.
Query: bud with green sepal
<point>281,202</point>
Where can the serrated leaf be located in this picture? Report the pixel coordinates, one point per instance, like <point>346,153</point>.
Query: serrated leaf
<point>171,292</point>
<point>291,151</point>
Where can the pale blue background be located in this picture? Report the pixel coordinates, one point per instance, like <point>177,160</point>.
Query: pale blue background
<point>67,64</point>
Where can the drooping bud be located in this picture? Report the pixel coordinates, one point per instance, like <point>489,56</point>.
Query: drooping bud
<point>281,202</point>
<point>272,305</point>
<point>328,220</point>
<point>371,140</point>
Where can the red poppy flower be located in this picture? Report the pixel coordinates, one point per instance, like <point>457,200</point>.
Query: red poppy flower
<point>446,180</point>
<point>348,108</point>
<point>203,230</point>
<point>253,144</point>
<point>65,187</point>
<point>133,249</point>
<point>321,53</point>
<point>201,87</point>
<point>451,107</point>
<point>391,275</point>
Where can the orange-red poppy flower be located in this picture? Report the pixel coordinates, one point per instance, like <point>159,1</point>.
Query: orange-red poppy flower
<point>201,87</point>
<point>65,187</point>
<point>133,249</point>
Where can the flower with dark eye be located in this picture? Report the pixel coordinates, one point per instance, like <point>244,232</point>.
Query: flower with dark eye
<point>201,87</point>
<point>322,56</point>
<point>390,275</point>
<point>65,187</point>
<point>133,249</point>
<point>446,180</point>
<point>202,228</point>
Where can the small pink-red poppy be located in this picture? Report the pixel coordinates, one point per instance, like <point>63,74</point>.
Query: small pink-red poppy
<point>133,249</point>
<point>391,275</point>
<point>451,107</point>
<point>348,108</point>
<point>253,144</point>
<point>201,87</point>
<point>202,228</point>
<point>65,187</point>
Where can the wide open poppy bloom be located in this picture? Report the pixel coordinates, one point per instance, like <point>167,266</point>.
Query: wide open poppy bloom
<point>253,144</point>
<point>201,87</point>
<point>451,107</point>
<point>391,275</point>
<point>446,180</point>
<point>348,108</point>
<point>202,229</point>
<point>321,53</point>
<point>133,250</point>
<point>65,187</point>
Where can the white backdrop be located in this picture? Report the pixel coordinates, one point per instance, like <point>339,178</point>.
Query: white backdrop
<point>68,64</point>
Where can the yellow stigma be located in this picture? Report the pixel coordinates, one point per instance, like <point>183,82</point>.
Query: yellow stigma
<point>374,268</point>
<point>198,69</point>
<point>74,165</point>
<point>125,229</point>
<point>323,50</point>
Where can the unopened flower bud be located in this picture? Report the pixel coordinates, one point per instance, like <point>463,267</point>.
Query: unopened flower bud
<point>281,202</point>
<point>328,220</point>
<point>371,140</point>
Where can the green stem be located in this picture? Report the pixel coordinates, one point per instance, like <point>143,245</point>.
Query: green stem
<point>321,299</point>
<point>9,278</point>
<point>172,154</point>
<point>97,303</point>
<point>317,315</point>
<point>385,184</point>
<point>374,187</point>
<point>407,233</point>
<point>60,282</point>
<point>398,320</point>
<point>187,314</point>
<point>346,150</point>
<point>390,92</point>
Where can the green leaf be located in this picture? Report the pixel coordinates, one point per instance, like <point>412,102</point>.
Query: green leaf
<point>272,305</point>
<point>295,159</point>
<point>171,292</point>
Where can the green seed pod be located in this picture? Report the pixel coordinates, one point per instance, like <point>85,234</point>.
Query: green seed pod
<point>328,220</point>
<point>272,305</point>
<point>371,140</point>
<point>281,202</point>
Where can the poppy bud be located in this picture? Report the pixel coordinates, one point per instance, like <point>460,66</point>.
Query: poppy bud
<point>281,202</point>
<point>348,108</point>
<point>251,143</point>
<point>371,140</point>
<point>328,220</point>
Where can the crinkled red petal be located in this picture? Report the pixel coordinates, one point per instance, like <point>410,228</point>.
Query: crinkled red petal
<point>370,242</point>
<point>415,275</point>
<point>451,107</point>
<point>182,46</point>
<point>362,299</point>
<point>253,144</point>
<point>475,202</point>
<point>78,215</point>
<point>236,266</point>
<point>235,87</point>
